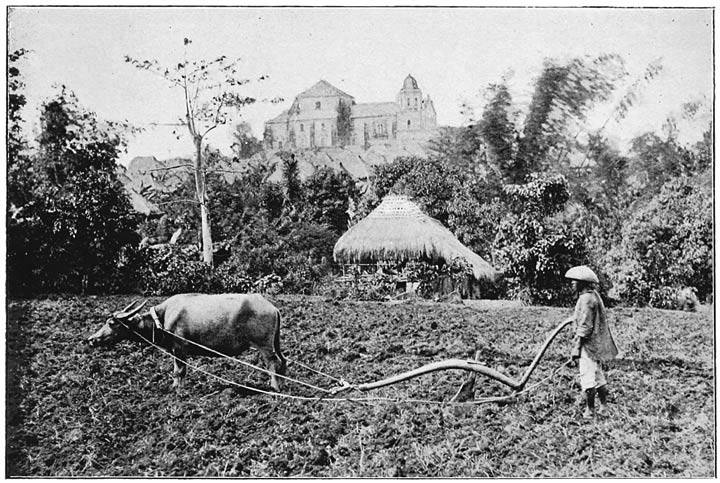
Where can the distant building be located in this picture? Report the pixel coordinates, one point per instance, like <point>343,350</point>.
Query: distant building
<point>312,120</point>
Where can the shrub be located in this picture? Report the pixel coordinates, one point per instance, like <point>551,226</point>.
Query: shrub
<point>431,279</point>
<point>664,298</point>
<point>667,243</point>
<point>533,247</point>
<point>327,195</point>
<point>171,269</point>
<point>230,278</point>
<point>435,278</point>
<point>71,219</point>
<point>369,287</point>
<point>168,270</point>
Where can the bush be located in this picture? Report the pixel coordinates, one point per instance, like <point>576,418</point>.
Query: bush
<point>229,278</point>
<point>172,269</point>
<point>535,256</point>
<point>292,258</point>
<point>70,220</point>
<point>168,270</point>
<point>434,279</point>
<point>666,244</point>
<point>664,298</point>
<point>326,195</point>
<point>373,287</point>
<point>533,247</point>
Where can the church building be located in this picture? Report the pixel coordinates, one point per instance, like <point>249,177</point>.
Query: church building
<point>312,120</point>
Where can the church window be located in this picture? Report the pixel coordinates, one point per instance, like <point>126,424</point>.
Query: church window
<point>322,125</point>
<point>408,122</point>
<point>416,103</point>
<point>302,128</point>
<point>317,105</point>
<point>408,102</point>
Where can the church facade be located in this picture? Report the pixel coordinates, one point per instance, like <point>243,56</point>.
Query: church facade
<point>312,120</point>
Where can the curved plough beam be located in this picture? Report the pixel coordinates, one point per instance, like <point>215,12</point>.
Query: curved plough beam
<point>469,365</point>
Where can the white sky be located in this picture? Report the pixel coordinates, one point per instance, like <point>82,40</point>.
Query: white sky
<point>453,53</point>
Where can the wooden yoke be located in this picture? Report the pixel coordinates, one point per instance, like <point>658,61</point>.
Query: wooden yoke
<point>470,365</point>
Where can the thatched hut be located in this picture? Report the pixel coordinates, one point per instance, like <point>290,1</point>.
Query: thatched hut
<point>398,230</point>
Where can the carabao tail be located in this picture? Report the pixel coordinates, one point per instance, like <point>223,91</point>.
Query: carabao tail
<point>276,343</point>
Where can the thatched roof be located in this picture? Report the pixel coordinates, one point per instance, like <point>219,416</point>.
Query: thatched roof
<point>398,230</point>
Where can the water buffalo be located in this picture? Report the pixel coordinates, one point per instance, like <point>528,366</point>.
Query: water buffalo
<point>227,323</point>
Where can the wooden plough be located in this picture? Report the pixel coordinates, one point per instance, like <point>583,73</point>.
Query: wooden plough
<point>472,366</point>
<point>465,392</point>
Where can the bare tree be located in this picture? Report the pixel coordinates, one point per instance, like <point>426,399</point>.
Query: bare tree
<point>210,92</point>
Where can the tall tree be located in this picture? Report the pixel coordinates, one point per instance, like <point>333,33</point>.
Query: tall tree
<point>563,94</point>
<point>245,145</point>
<point>19,174</point>
<point>210,93</point>
<point>15,102</point>
<point>292,185</point>
<point>327,196</point>
<point>497,130</point>
<point>70,233</point>
<point>268,137</point>
<point>657,160</point>
<point>344,122</point>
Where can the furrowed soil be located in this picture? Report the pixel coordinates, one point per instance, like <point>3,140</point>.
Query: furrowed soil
<point>72,410</point>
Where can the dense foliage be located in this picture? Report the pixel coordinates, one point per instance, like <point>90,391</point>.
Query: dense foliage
<point>493,160</point>
<point>245,145</point>
<point>70,221</point>
<point>533,246</point>
<point>527,189</point>
<point>667,244</point>
<point>265,230</point>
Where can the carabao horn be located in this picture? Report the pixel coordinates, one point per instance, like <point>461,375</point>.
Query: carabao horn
<point>120,312</point>
<point>127,315</point>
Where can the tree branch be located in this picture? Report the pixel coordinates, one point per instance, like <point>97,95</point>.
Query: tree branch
<point>184,200</point>
<point>208,130</point>
<point>174,124</point>
<point>225,171</point>
<point>173,167</point>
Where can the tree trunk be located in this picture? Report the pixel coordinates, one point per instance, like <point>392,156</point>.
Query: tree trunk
<point>201,191</point>
<point>206,234</point>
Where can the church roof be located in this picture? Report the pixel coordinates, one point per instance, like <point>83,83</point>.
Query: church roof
<point>410,83</point>
<point>323,89</point>
<point>282,117</point>
<point>371,109</point>
<point>313,115</point>
<point>367,109</point>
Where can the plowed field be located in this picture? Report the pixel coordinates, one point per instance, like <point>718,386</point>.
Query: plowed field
<point>77,411</point>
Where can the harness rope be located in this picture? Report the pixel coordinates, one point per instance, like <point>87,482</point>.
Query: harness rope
<point>345,384</point>
<point>252,366</point>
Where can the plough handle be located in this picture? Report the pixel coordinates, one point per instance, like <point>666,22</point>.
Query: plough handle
<point>469,365</point>
<point>544,348</point>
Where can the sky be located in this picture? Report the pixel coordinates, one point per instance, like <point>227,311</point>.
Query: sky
<point>454,53</point>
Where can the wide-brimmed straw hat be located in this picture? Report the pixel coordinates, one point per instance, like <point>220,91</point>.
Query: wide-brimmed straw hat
<point>582,273</point>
